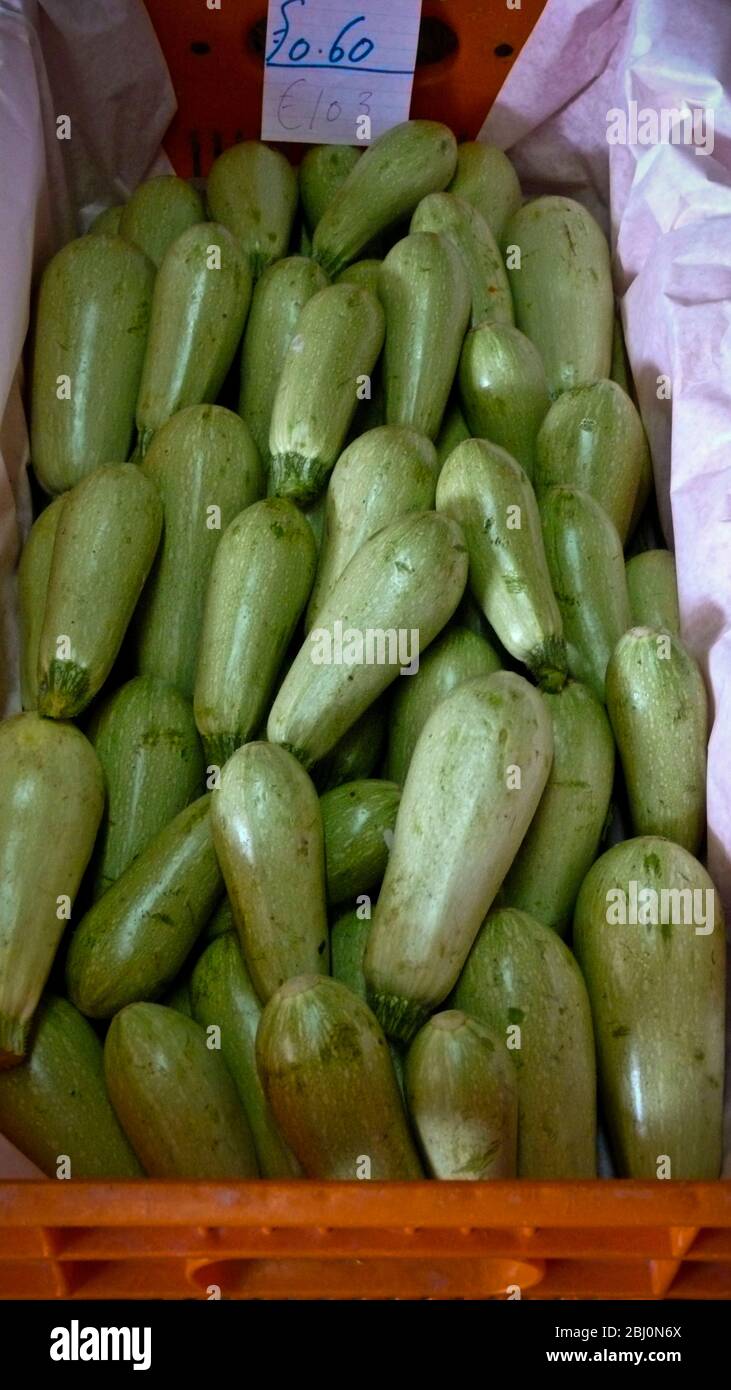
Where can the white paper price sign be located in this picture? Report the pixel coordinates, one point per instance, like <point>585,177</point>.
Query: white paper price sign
<point>328,65</point>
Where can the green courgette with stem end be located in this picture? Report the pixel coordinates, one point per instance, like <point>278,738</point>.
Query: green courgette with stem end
<point>563,838</point>
<point>174,1097</point>
<point>385,473</point>
<point>106,541</point>
<point>484,489</point>
<point>456,656</point>
<point>394,174</point>
<point>55,1106</point>
<point>338,339</point>
<point>145,738</point>
<point>358,819</point>
<point>106,223</point>
<point>357,754</point>
<point>33,575</point>
<point>503,390</point>
<point>524,984</point>
<point>365,272</point>
<point>53,797</point>
<point>473,785</point>
<point>652,586</point>
<point>562,289</point>
<point>462,1096</point>
<point>396,594</point>
<point>268,833</point>
<point>330,1081</point>
<point>223,997</point>
<point>592,438</point>
<point>252,190</point>
<point>656,981</point>
<point>485,177</point>
<point>199,308</point>
<point>425,294</point>
<point>586,565</point>
<point>453,431</point>
<point>657,702</point>
<point>159,211</point>
<point>206,469</point>
<point>91,330</point>
<point>262,573</point>
<point>132,943</point>
<point>323,170</point>
<point>277,302</point>
<point>466,228</point>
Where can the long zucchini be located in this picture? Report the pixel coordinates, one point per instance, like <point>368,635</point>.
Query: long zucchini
<point>33,574</point>
<point>105,544</point>
<point>652,586</point>
<point>357,820</point>
<point>485,178</point>
<point>472,788</point>
<point>503,390</point>
<point>91,330</point>
<point>252,190</point>
<point>158,212</point>
<point>468,231</point>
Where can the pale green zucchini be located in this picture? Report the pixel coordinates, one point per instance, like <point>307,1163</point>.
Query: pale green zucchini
<point>652,586</point>
<point>105,545</point>
<point>425,294</point>
<point>106,223</point>
<point>132,943</point>
<point>338,339</point>
<point>358,820</point>
<point>468,231</point>
<point>252,190</point>
<point>365,272</point>
<point>473,785</point>
<point>206,469</point>
<point>394,174</point>
<point>484,489</point>
<point>396,594</point>
<point>323,170</point>
<point>658,706</point>
<point>262,573</point>
<point>34,571</point>
<point>453,431</point>
<point>268,833</point>
<point>158,212</point>
<point>649,935</point>
<point>485,178</point>
<point>91,331</point>
<point>524,984</point>
<point>503,390</point>
<point>330,1082</point>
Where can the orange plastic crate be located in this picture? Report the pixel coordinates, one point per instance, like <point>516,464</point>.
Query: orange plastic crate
<point>303,1240</point>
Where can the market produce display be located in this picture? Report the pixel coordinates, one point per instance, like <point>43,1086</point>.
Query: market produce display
<point>353,824</point>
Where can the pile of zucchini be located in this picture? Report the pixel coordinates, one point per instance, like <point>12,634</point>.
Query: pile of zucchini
<point>311,855</point>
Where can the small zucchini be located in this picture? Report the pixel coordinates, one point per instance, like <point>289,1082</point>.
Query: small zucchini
<point>358,820</point>
<point>158,212</point>
<point>468,231</point>
<point>252,190</point>
<point>485,177</point>
<point>323,170</point>
<point>503,390</point>
<point>652,586</point>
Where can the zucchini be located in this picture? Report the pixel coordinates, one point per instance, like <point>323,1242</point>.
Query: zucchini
<point>490,495</point>
<point>455,657</point>
<point>267,829</point>
<point>524,984</point>
<point>221,922</point>
<point>323,170</point>
<point>592,438</point>
<point>330,1082</point>
<point>404,583</point>
<point>656,984</point>
<point>503,390</point>
<point>658,706</point>
<point>385,473</point>
<point>105,544</point>
<point>262,573</point>
<point>132,943</point>
<point>175,1098</point>
<point>366,272</point>
<point>202,459</point>
<point>56,1105</point>
<point>562,289</point>
<point>468,231</point>
<point>147,743</point>
<point>453,431</point>
<point>315,517</point>
<point>33,575</point>
<point>358,753</point>
<point>199,308</point>
<point>338,339</point>
<point>561,844</point>
<point>426,297</point>
<point>357,819</point>
<point>158,212</point>
<point>485,177</point>
<point>52,802</point>
<point>462,1097</point>
<point>348,941</point>
<point>277,302</point>
<point>252,190</point>
<point>586,565</point>
<point>653,591</point>
<point>224,997</point>
<point>473,785</point>
<point>91,329</point>
<point>106,223</point>
<point>394,174</point>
